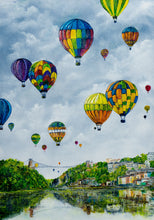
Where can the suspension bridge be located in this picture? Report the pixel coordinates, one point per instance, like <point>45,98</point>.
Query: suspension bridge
<point>35,164</point>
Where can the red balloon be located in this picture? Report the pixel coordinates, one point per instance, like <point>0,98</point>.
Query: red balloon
<point>76,142</point>
<point>148,88</point>
<point>44,147</point>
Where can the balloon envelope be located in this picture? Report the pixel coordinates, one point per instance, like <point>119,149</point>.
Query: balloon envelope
<point>76,142</point>
<point>148,88</point>
<point>20,69</point>
<point>42,75</point>
<point>5,111</point>
<point>57,131</point>
<point>11,126</point>
<point>35,138</point>
<point>114,7</point>
<point>122,96</point>
<point>97,109</point>
<point>44,147</point>
<point>147,108</point>
<point>76,36</point>
<point>104,53</point>
<point>130,36</point>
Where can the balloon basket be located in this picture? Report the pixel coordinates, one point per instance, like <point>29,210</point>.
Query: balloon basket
<point>98,126</point>
<point>123,119</point>
<point>23,85</point>
<point>115,19</point>
<point>78,62</point>
<point>43,95</point>
<point>57,144</point>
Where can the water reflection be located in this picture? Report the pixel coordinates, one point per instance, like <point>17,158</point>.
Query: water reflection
<point>134,201</point>
<point>14,203</point>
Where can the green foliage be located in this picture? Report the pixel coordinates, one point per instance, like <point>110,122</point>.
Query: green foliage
<point>15,176</point>
<point>152,163</point>
<point>152,174</point>
<point>138,159</point>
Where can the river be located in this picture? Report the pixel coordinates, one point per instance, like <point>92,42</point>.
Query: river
<point>83,204</point>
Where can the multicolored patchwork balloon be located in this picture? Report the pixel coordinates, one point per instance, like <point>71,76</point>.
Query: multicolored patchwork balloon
<point>57,131</point>
<point>20,69</point>
<point>130,36</point>
<point>122,96</point>
<point>35,138</point>
<point>104,53</point>
<point>5,111</point>
<point>76,36</point>
<point>114,7</point>
<point>11,126</point>
<point>97,109</point>
<point>42,75</point>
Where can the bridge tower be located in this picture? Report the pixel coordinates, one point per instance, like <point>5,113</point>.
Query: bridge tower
<point>30,163</point>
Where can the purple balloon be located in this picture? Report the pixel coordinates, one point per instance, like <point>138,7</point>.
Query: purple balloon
<point>20,69</point>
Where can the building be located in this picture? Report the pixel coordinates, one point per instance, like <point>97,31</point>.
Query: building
<point>138,177</point>
<point>89,163</point>
<point>150,156</point>
<point>110,160</point>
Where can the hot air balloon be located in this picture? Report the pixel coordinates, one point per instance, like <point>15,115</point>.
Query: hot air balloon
<point>104,53</point>
<point>57,131</point>
<point>5,111</point>
<point>44,147</point>
<point>114,7</point>
<point>35,138</point>
<point>36,165</point>
<point>122,96</point>
<point>76,142</point>
<point>80,145</point>
<point>148,88</point>
<point>146,108</point>
<point>42,75</point>
<point>130,36</point>
<point>20,69</point>
<point>59,163</point>
<point>97,109</point>
<point>11,126</point>
<point>76,36</point>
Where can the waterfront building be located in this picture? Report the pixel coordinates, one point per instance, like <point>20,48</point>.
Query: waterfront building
<point>150,156</point>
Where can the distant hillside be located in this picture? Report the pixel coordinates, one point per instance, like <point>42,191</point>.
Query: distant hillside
<point>98,173</point>
<point>138,159</point>
<point>15,176</point>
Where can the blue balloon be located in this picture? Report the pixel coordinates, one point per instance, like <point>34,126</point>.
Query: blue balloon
<point>5,111</point>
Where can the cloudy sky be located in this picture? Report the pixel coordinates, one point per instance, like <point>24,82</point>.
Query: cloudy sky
<point>30,29</point>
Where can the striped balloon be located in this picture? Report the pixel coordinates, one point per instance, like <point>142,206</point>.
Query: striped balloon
<point>5,111</point>
<point>57,131</point>
<point>114,7</point>
<point>122,96</point>
<point>76,36</point>
<point>11,126</point>
<point>130,36</point>
<point>104,53</point>
<point>20,69</point>
<point>97,109</point>
<point>35,138</point>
